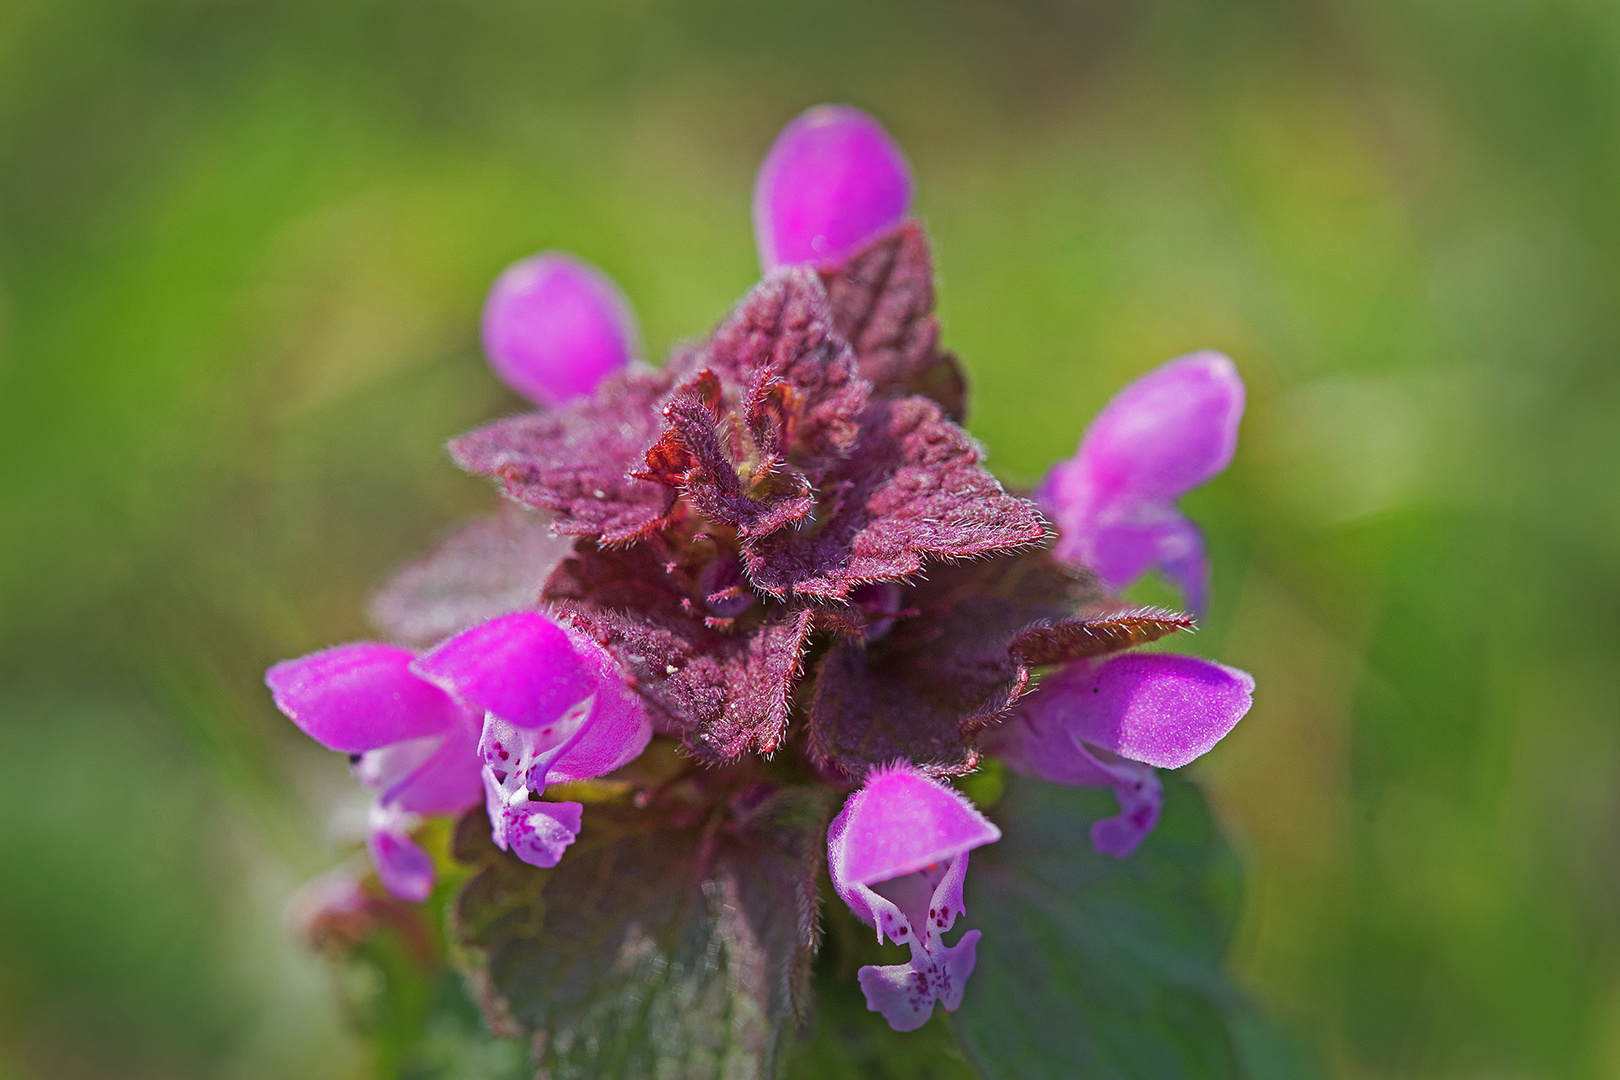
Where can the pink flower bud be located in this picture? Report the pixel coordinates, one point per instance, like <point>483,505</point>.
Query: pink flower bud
<point>554,327</point>
<point>833,180</point>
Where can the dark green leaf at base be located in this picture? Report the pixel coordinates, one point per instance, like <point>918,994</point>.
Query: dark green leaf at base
<point>654,951</point>
<point>1092,966</point>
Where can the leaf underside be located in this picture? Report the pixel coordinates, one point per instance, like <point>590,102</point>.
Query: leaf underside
<point>1096,634</point>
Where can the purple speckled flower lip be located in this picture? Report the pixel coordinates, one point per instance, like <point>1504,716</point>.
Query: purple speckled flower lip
<point>779,557</point>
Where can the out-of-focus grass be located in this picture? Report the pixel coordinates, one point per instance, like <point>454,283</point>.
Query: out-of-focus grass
<point>242,249</point>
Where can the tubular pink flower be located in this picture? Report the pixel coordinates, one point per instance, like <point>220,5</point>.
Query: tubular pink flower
<point>1163,435</point>
<point>1109,723</point>
<point>555,710</point>
<point>832,181</point>
<point>554,327</point>
<point>410,742</point>
<point>898,855</point>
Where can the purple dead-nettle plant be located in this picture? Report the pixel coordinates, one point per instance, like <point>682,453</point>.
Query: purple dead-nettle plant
<point>773,573</point>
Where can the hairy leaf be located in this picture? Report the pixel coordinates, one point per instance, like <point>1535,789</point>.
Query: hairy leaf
<point>1092,966</point>
<point>576,461</point>
<point>945,671</point>
<point>724,684</point>
<point>726,694</point>
<point>631,578</point>
<point>912,491</point>
<point>782,334</point>
<point>652,951</point>
<point>485,568</point>
<point>694,456</point>
<point>774,402</point>
<point>882,302</point>
<point>1107,631</point>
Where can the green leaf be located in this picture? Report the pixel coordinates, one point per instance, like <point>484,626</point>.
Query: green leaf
<point>1092,966</point>
<point>652,950</point>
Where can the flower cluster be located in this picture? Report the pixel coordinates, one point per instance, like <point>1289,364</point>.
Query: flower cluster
<point>780,547</point>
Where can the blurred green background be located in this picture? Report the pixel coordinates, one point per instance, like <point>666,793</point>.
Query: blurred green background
<point>242,251</point>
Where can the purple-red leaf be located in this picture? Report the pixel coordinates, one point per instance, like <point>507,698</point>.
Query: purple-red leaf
<point>693,456</point>
<point>912,491</point>
<point>576,461</point>
<point>771,403</point>
<point>882,303</point>
<point>726,694</point>
<point>1098,634</point>
<point>725,685</point>
<point>945,671</point>
<point>782,331</point>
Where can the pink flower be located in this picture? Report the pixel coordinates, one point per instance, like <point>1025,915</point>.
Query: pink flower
<point>898,855</point>
<point>409,741</point>
<point>1115,501</point>
<point>1109,723</point>
<point>556,709</point>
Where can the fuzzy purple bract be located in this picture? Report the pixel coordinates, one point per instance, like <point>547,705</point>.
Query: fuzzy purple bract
<point>726,593</point>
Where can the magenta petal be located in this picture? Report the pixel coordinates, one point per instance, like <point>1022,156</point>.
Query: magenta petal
<point>913,909</point>
<point>404,869</point>
<point>554,327</point>
<point>522,667</point>
<point>446,783</point>
<point>1122,550</point>
<point>598,734</point>
<point>898,856</point>
<point>902,821</point>
<point>832,180</point>
<point>1114,501</point>
<point>956,963</point>
<point>1166,433</point>
<point>1156,708</point>
<point>1179,551</point>
<point>392,765</point>
<point>1040,740</point>
<point>359,697</point>
<point>618,730</point>
<point>1035,741</point>
<point>905,993</point>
